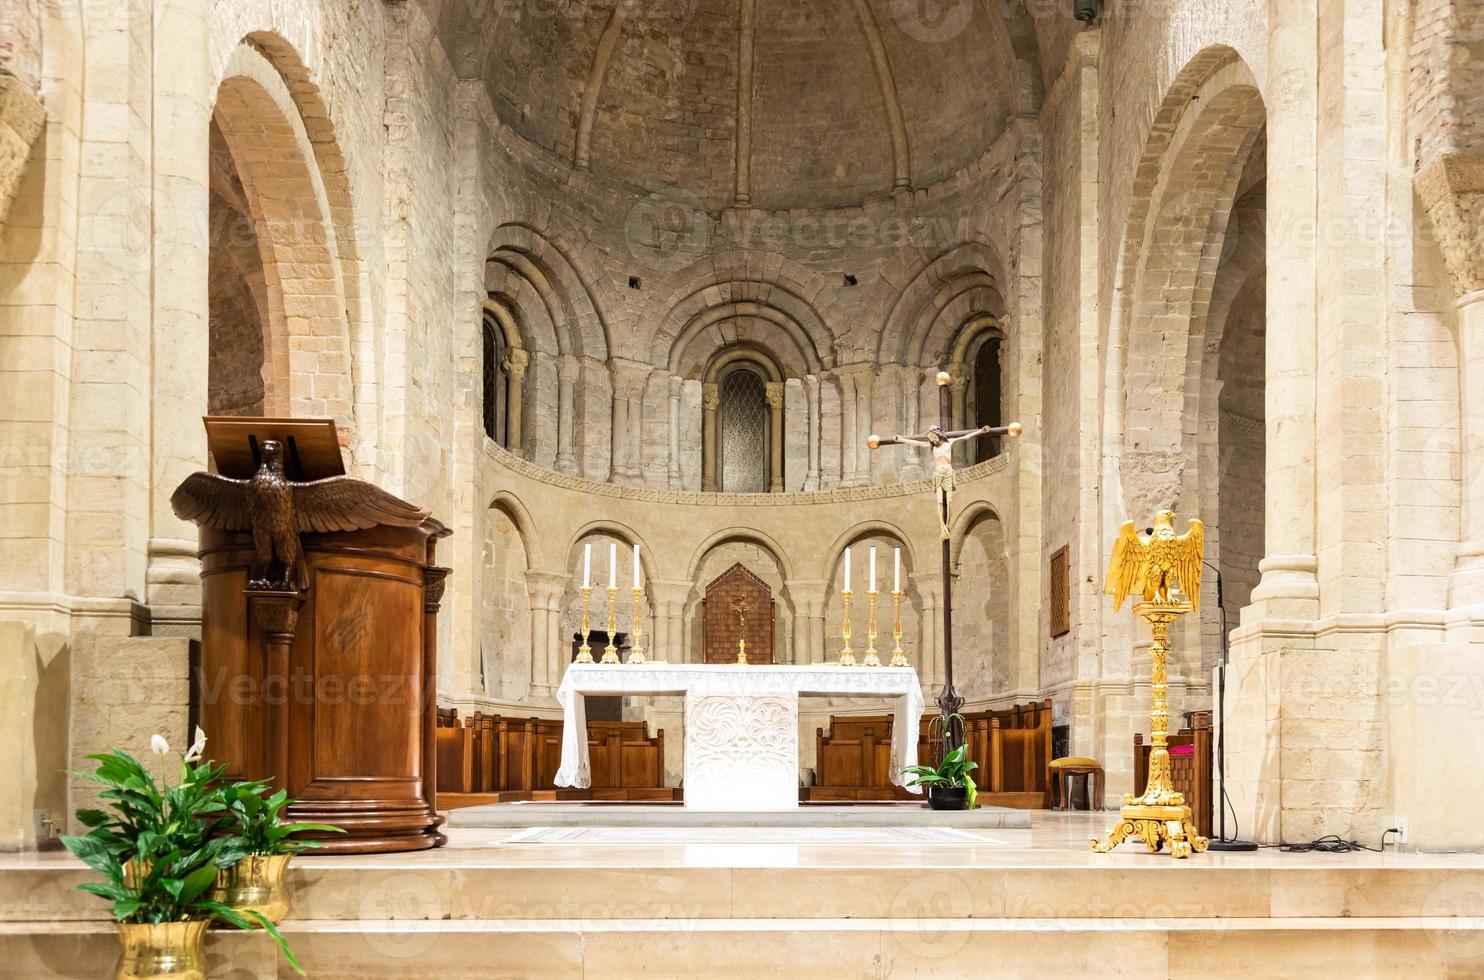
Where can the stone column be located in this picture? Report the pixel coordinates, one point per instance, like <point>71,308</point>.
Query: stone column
<point>811,398</point>
<point>1467,585</point>
<point>568,369</point>
<point>911,411</point>
<point>774,391</point>
<point>926,657</point>
<point>710,400</point>
<point>668,598</point>
<point>620,469</point>
<point>545,591</point>
<point>865,408</point>
<point>677,384</point>
<point>515,375</point>
<point>958,398</point>
<point>847,429</point>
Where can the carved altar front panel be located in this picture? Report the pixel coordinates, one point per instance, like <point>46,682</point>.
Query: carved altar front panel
<point>741,751</point>
<point>738,605</point>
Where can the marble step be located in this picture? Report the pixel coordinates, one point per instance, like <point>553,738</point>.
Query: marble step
<point>1410,947</point>
<point>588,885</point>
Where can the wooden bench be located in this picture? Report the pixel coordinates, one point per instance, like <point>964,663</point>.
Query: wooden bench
<point>1012,747</point>
<point>495,754</point>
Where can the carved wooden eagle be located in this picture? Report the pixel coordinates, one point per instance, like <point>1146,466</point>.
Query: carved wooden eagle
<point>1150,565</point>
<point>277,510</point>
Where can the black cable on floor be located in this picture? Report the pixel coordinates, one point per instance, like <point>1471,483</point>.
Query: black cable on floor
<point>1329,844</point>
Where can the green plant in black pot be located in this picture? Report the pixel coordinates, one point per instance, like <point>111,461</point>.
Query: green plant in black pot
<point>950,787</point>
<point>256,882</point>
<point>159,847</point>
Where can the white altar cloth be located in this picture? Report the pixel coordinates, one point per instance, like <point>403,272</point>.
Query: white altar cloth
<point>741,722</point>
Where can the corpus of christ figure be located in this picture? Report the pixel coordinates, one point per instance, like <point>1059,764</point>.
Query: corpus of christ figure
<point>941,439</point>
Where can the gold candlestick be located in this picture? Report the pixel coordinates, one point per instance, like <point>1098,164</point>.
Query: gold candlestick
<point>871,659</point>
<point>636,651</point>
<point>898,655</point>
<point>847,656</point>
<point>585,652</point>
<point>610,652</point>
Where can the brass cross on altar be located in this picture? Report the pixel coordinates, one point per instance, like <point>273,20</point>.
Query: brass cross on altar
<point>941,439</point>
<point>740,607</point>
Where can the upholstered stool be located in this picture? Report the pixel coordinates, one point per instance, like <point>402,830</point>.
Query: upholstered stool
<point>1062,773</point>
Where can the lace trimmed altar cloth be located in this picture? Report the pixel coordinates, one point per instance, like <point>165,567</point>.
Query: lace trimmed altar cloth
<point>741,722</point>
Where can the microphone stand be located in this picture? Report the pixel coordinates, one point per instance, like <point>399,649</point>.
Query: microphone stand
<point>1221,842</point>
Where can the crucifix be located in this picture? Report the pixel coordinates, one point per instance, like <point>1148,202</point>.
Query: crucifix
<point>941,439</point>
<point>740,607</point>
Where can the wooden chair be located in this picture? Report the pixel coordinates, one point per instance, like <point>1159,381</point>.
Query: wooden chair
<point>1064,771</point>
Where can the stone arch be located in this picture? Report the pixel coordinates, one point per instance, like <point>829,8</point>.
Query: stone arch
<point>614,529</point>
<point>985,665</point>
<point>765,560</point>
<point>287,48</point>
<point>752,535</point>
<point>1186,182</point>
<point>521,257</point>
<point>512,507</point>
<point>867,529</point>
<point>307,346</point>
<point>698,322</point>
<point>914,317</point>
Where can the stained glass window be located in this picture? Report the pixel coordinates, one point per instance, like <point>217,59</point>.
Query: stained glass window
<point>494,382</point>
<point>743,421</point>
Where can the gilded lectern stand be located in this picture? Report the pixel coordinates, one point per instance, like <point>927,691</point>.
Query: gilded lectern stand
<point>319,602</point>
<point>1158,565</point>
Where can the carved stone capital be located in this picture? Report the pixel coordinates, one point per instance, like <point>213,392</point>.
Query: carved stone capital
<point>710,397</point>
<point>516,361</point>
<point>774,393</point>
<point>1451,186</point>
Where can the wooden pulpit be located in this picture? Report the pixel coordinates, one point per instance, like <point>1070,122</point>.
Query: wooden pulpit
<point>323,680</point>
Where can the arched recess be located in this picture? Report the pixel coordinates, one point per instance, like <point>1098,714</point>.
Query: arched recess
<point>252,34</point>
<point>509,664</point>
<point>1183,263</point>
<point>977,387</point>
<point>505,361</point>
<point>985,666</point>
<point>742,421</point>
<point>887,539</point>
<point>307,352</point>
<point>765,561</point>
<point>547,313</point>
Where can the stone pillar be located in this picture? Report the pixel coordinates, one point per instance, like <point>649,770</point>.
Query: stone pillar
<point>710,400</point>
<point>677,384</point>
<point>568,369</point>
<point>1289,588</point>
<point>911,410</point>
<point>927,657</point>
<point>808,600</point>
<point>958,398</point>
<point>545,591</point>
<point>774,391</point>
<point>668,598</point>
<point>1467,585</point>
<point>630,379</point>
<point>847,429</point>
<point>811,398</point>
<point>620,470</point>
<point>515,375</point>
<point>865,386</point>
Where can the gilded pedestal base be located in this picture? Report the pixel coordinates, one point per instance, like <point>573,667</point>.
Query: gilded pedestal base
<point>1154,825</point>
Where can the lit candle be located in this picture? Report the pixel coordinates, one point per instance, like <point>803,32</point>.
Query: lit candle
<point>612,565</point>
<point>847,570</point>
<point>636,566</point>
<point>873,568</point>
<point>896,581</point>
<point>587,565</point>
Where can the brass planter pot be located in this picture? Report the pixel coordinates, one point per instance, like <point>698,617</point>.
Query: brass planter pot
<point>256,884</point>
<point>171,950</point>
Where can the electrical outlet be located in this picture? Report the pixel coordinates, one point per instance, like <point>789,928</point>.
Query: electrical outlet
<point>1401,829</point>
<point>44,828</point>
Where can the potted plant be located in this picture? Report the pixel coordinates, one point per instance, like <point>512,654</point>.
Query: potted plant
<point>158,850</point>
<point>950,787</point>
<point>255,883</point>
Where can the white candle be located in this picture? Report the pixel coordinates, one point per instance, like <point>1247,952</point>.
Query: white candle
<point>847,570</point>
<point>873,568</point>
<point>896,581</point>
<point>612,565</point>
<point>636,566</point>
<point>587,565</point>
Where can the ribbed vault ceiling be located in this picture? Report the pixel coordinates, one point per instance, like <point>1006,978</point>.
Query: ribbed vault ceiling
<point>773,103</point>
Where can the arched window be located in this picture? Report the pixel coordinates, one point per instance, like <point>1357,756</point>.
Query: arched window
<point>496,380</point>
<point>743,424</point>
<point>985,396</point>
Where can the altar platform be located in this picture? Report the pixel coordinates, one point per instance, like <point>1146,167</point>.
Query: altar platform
<point>1005,902</point>
<point>675,816</point>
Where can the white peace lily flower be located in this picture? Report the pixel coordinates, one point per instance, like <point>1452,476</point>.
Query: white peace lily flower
<point>158,745</point>
<point>197,747</point>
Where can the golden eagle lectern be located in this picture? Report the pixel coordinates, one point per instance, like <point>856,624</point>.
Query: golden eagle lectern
<point>1164,569</point>
<point>1151,565</point>
<point>277,510</point>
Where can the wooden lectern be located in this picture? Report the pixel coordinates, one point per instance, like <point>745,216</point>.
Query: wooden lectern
<point>325,682</point>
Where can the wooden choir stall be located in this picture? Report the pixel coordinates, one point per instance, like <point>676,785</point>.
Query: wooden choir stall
<point>320,596</point>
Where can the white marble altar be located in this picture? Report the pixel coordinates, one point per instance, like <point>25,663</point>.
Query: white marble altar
<point>741,722</point>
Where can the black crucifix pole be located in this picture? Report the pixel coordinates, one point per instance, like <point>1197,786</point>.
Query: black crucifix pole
<point>941,439</point>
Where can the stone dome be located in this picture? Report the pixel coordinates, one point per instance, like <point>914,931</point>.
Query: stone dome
<point>848,100</point>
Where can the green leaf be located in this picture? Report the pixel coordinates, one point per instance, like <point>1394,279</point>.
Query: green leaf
<point>95,854</point>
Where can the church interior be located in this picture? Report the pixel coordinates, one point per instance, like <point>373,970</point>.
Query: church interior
<point>634,326</point>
